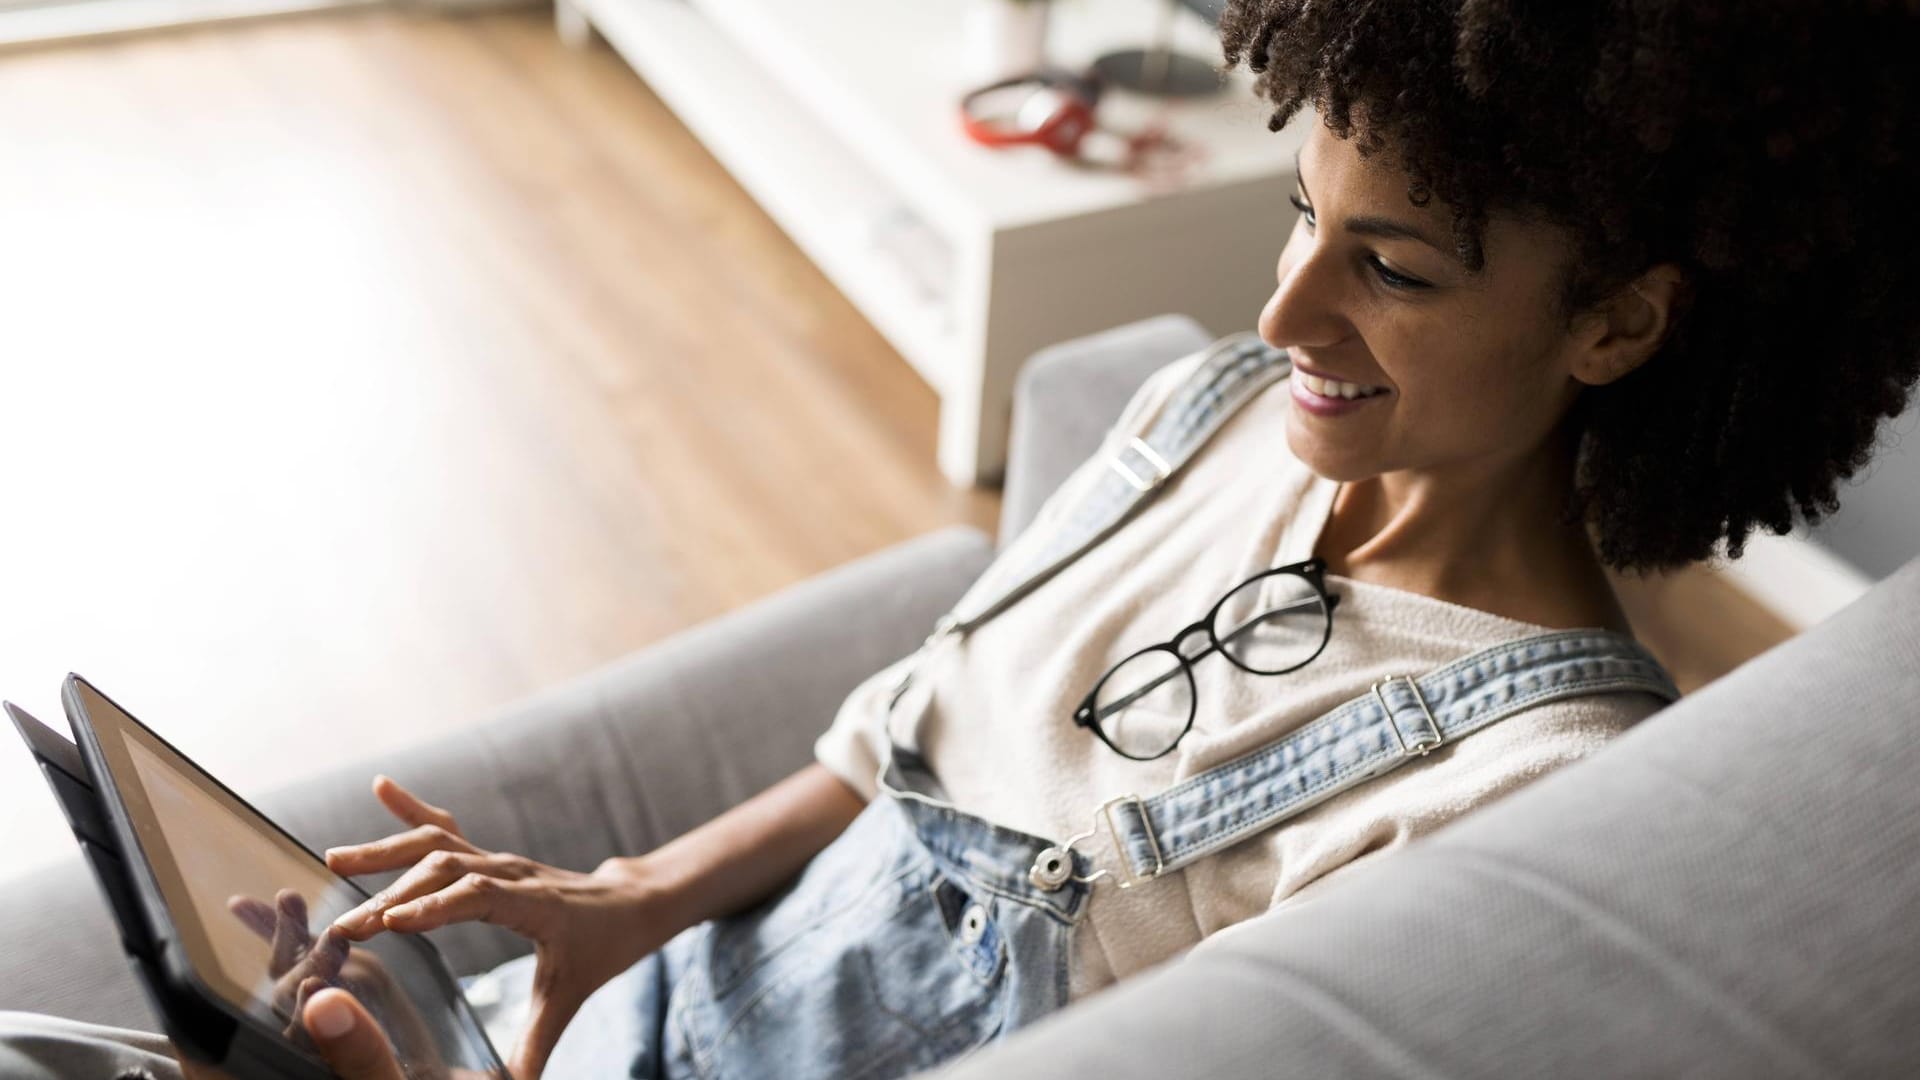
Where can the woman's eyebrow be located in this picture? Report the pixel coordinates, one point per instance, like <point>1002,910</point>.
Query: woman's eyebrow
<point>1366,225</point>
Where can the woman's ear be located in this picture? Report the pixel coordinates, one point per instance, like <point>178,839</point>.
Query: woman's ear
<point>1629,329</point>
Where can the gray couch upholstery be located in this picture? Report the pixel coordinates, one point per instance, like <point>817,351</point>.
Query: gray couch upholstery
<point>594,767</point>
<point>620,760</point>
<point>1728,890</point>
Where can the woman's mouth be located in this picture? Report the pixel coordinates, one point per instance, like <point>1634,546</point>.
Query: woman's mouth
<point>1331,397</point>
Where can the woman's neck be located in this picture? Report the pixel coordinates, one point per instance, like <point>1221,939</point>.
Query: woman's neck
<point>1484,535</point>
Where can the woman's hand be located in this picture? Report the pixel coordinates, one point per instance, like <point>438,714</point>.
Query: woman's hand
<point>301,966</point>
<point>346,1038</point>
<point>586,928</point>
<point>298,965</point>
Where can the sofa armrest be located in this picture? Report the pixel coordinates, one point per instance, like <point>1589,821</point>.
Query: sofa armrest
<point>1727,890</point>
<point>1066,398</point>
<point>617,761</point>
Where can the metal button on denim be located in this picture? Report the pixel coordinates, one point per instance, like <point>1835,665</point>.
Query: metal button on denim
<point>973,924</point>
<point>1051,869</point>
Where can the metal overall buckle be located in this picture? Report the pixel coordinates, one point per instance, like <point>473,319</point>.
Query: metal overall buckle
<point>1161,470</point>
<point>1054,865</point>
<point>1423,745</point>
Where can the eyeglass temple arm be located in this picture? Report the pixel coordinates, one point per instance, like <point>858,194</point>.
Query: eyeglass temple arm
<point>1333,601</point>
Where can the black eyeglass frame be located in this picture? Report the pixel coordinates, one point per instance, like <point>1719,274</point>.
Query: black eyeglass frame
<point>1312,571</point>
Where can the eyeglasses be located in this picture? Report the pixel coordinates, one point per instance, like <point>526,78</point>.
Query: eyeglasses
<point>1272,623</point>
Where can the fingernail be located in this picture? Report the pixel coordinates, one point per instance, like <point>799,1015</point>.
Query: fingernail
<point>329,1017</point>
<point>403,911</point>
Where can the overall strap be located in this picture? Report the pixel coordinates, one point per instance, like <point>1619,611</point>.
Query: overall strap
<point>1236,368</point>
<point>1399,719</point>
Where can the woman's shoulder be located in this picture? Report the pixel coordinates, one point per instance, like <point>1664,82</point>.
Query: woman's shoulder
<point>1159,388</point>
<point>1153,394</point>
<point>1542,737</point>
<point>1430,635</point>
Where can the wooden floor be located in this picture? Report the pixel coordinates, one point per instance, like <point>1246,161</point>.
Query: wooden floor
<point>364,371</point>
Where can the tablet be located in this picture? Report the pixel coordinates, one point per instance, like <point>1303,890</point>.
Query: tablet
<point>224,913</point>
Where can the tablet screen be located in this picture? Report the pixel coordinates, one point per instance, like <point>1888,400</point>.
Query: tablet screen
<point>250,905</point>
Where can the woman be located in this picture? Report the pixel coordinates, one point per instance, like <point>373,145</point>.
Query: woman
<point>1595,284</point>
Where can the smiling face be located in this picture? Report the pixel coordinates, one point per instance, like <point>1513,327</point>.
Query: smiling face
<point>1474,369</point>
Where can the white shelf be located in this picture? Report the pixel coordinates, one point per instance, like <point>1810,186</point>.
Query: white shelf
<point>817,191</point>
<point>840,117</point>
<point>887,75</point>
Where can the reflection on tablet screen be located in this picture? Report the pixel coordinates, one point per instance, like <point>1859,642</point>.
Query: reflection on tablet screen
<point>254,910</point>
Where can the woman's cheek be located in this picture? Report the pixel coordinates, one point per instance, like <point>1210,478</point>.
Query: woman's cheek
<point>1471,411</point>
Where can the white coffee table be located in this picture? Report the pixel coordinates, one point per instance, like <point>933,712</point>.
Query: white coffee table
<point>840,118</point>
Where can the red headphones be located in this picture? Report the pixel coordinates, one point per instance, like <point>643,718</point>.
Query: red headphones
<point>1054,108</point>
<point>1051,107</point>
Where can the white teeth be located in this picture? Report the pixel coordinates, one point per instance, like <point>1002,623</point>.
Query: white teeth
<point>1336,388</point>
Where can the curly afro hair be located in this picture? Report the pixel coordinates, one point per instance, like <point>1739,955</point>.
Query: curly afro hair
<point>1769,149</point>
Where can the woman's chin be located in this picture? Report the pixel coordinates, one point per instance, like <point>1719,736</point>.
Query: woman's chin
<point>1325,461</point>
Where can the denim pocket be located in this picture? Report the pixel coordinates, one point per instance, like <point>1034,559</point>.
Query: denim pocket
<point>869,976</point>
<point>937,959</point>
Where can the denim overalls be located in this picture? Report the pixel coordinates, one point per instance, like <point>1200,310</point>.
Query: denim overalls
<point>923,931</point>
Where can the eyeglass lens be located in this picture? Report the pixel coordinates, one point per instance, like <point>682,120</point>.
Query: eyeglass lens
<point>1274,623</point>
<point>1143,705</point>
<point>1269,625</point>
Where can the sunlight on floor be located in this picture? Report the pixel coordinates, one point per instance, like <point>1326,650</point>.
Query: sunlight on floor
<point>361,373</point>
<point>231,430</point>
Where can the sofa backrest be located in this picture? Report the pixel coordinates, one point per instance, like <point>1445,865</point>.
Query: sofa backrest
<point>1731,889</point>
<point>1067,397</point>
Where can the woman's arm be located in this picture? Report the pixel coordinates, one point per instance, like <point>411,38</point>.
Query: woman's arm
<point>587,928</point>
<point>739,858</point>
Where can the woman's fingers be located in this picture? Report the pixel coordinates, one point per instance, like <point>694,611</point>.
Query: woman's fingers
<point>394,852</point>
<point>296,1031</point>
<point>473,898</point>
<point>290,937</point>
<point>329,954</point>
<point>348,1038</point>
<point>409,807</point>
<point>323,962</point>
<point>431,874</point>
<point>255,914</point>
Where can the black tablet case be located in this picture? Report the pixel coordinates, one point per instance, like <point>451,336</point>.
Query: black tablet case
<point>59,761</point>
<point>66,772</point>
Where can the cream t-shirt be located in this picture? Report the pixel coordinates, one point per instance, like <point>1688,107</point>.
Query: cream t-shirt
<point>997,730</point>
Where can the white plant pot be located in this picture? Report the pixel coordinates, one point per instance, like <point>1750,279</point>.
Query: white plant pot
<point>1004,38</point>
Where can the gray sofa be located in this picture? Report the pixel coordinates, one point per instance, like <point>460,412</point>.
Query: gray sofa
<point>1731,889</point>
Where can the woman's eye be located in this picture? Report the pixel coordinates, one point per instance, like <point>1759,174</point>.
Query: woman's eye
<point>1398,281</point>
<point>1386,276</point>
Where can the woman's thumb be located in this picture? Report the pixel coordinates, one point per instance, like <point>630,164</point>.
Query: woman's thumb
<point>348,1038</point>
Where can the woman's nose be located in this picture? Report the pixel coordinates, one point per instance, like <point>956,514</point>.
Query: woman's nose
<point>1305,309</point>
